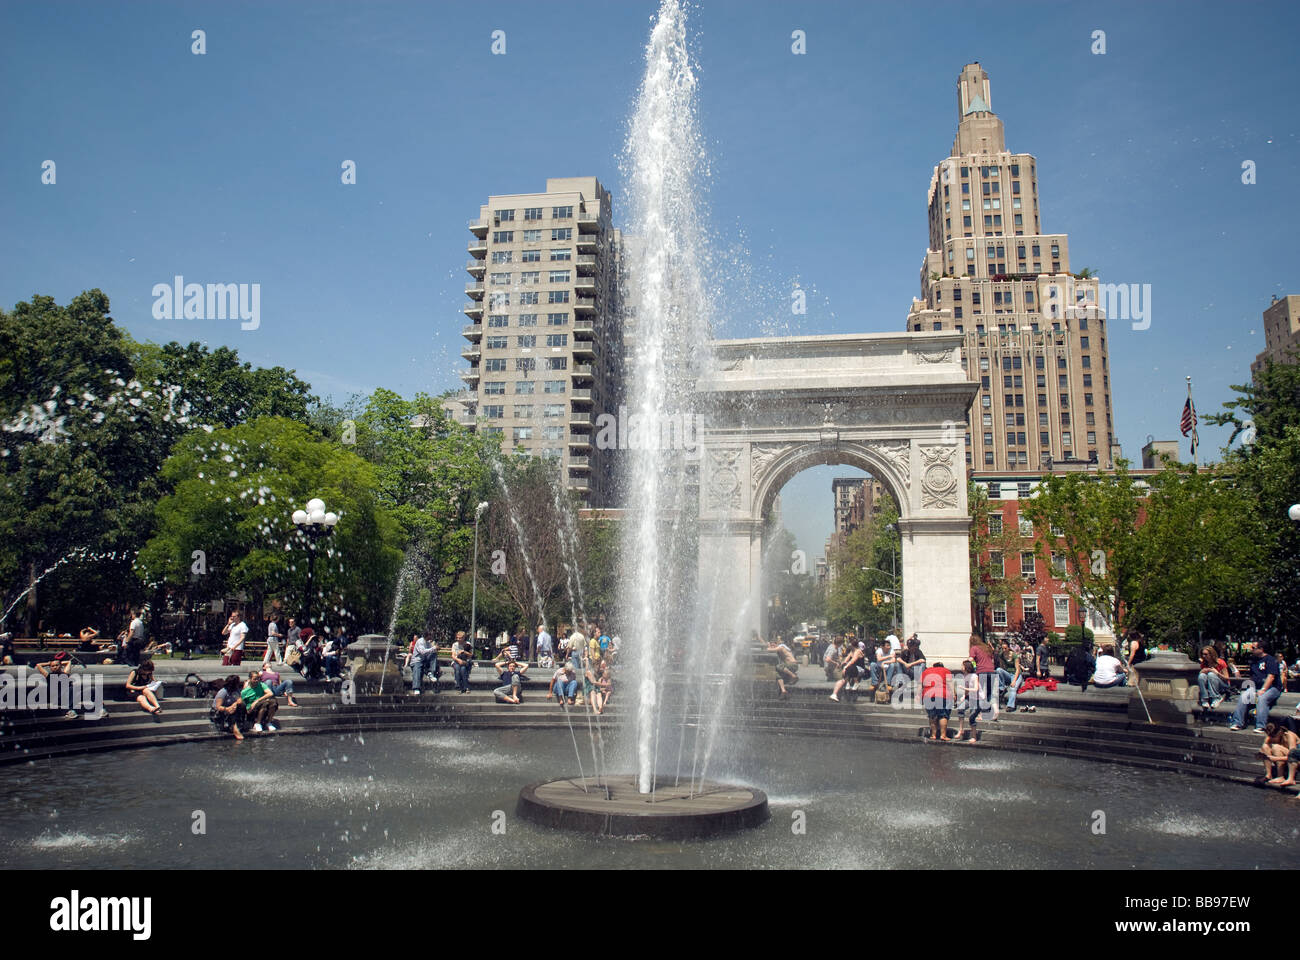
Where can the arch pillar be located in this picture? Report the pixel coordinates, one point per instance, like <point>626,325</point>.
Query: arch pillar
<point>936,593</point>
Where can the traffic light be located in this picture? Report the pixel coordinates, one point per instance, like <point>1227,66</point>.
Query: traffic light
<point>876,598</point>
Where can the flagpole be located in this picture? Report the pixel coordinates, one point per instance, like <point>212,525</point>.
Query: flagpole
<point>1196,461</point>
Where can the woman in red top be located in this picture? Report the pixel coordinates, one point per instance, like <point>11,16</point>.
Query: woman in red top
<point>981,655</point>
<point>1213,678</point>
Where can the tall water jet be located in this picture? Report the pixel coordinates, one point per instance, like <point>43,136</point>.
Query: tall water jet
<point>664,166</point>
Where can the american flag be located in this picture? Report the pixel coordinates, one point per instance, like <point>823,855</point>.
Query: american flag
<point>1189,417</point>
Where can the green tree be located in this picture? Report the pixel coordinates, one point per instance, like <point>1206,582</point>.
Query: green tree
<point>233,493</point>
<point>1095,514</point>
<point>864,565</point>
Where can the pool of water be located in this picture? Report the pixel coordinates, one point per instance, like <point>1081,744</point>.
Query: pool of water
<point>446,799</point>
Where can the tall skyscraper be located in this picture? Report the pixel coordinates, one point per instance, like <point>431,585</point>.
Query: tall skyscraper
<point>1035,335</point>
<point>1281,333</point>
<point>545,341</point>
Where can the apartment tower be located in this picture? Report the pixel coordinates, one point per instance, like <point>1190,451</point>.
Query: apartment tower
<point>1281,333</point>
<point>545,341</point>
<point>1035,336</point>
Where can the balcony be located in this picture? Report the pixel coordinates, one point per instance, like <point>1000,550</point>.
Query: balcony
<point>579,463</point>
<point>588,222</point>
<point>580,418</point>
<point>587,240</point>
<point>470,377</point>
<point>582,395</point>
<point>473,332</point>
<point>584,348</point>
<point>476,268</point>
<point>584,304</point>
<point>585,284</point>
<point>579,441</point>
<point>585,263</point>
<point>582,371</point>
<point>473,310</point>
<point>471,353</point>
<point>478,247</point>
<point>580,483</point>
<point>584,328</point>
<point>479,227</point>
<point>475,290</point>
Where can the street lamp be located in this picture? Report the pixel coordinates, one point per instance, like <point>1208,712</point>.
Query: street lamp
<point>315,522</point>
<point>893,559</point>
<point>981,602</point>
<point>473,602</point>
<point>1294,512</point>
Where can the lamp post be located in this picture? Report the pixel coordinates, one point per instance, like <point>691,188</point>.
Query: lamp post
<point>315,522</point>
<point>981,601</point>
<point>893,560</point>
<point>473,602</point>
<point>1294,512</point>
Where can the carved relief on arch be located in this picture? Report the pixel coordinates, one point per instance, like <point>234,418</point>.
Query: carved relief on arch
<point>722,486</point>
<point>897,454</point>
<point>939,488</point>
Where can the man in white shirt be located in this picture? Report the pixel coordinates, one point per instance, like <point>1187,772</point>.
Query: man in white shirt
<point>1109,672</point>
<point>544,646</point>
<point>462,661</point>
<point>424,660</point>
<point>234,631</point>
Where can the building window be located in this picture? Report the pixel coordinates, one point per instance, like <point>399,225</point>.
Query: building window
<point>561,213</point>
<point>532,213</point>
<point>497,343</point>
<point>526,319</point>
<point>494,411</point>
<point>995,491</point>
<point>999,608</point>
<point>492,431</point>
<point>553,433</point>
<point>495,366</point>
<point>553,410</point>
<point>995,524</point>
<point>557,296</point>
<point>525,364</point>
<point>1061,611</point>
<point>500,298</point>
<point>988,439</point>
<point>532,236</point>
<point>493,387</point>
<point>528,342</point>
<point>525,387</point>
<point>530,276</point>
<point>498,319</point>
<point>562,253</point>
<point>988,458</point>
<point>553,386</point>
<point>1026,563</point>
<point>1058,564</point>
<point>502,256</point>
<point>557,339</point>
<point>531,256</point>
<point>503,236</point>
<point>523,411</point>
<point>1026,526</point>
<point>522,433</point>
<point>559,276</point>
<point>557,319</point>
<point>527,298</point>
<point>1044,440</point>
<point>563,233</point>
<point>996,569</point>
<point>557,363</point>
<point>503,216</point>
<point>1028,604</point>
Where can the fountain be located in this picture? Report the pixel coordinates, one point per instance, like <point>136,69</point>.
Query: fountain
<point>664,164</point>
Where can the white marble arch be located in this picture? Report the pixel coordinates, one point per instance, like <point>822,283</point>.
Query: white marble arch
<point>893,405</point>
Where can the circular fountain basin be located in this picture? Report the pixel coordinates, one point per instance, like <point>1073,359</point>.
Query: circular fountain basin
<point>614,807</point>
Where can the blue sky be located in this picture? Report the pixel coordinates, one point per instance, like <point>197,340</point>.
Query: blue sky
<point>225,167</point>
